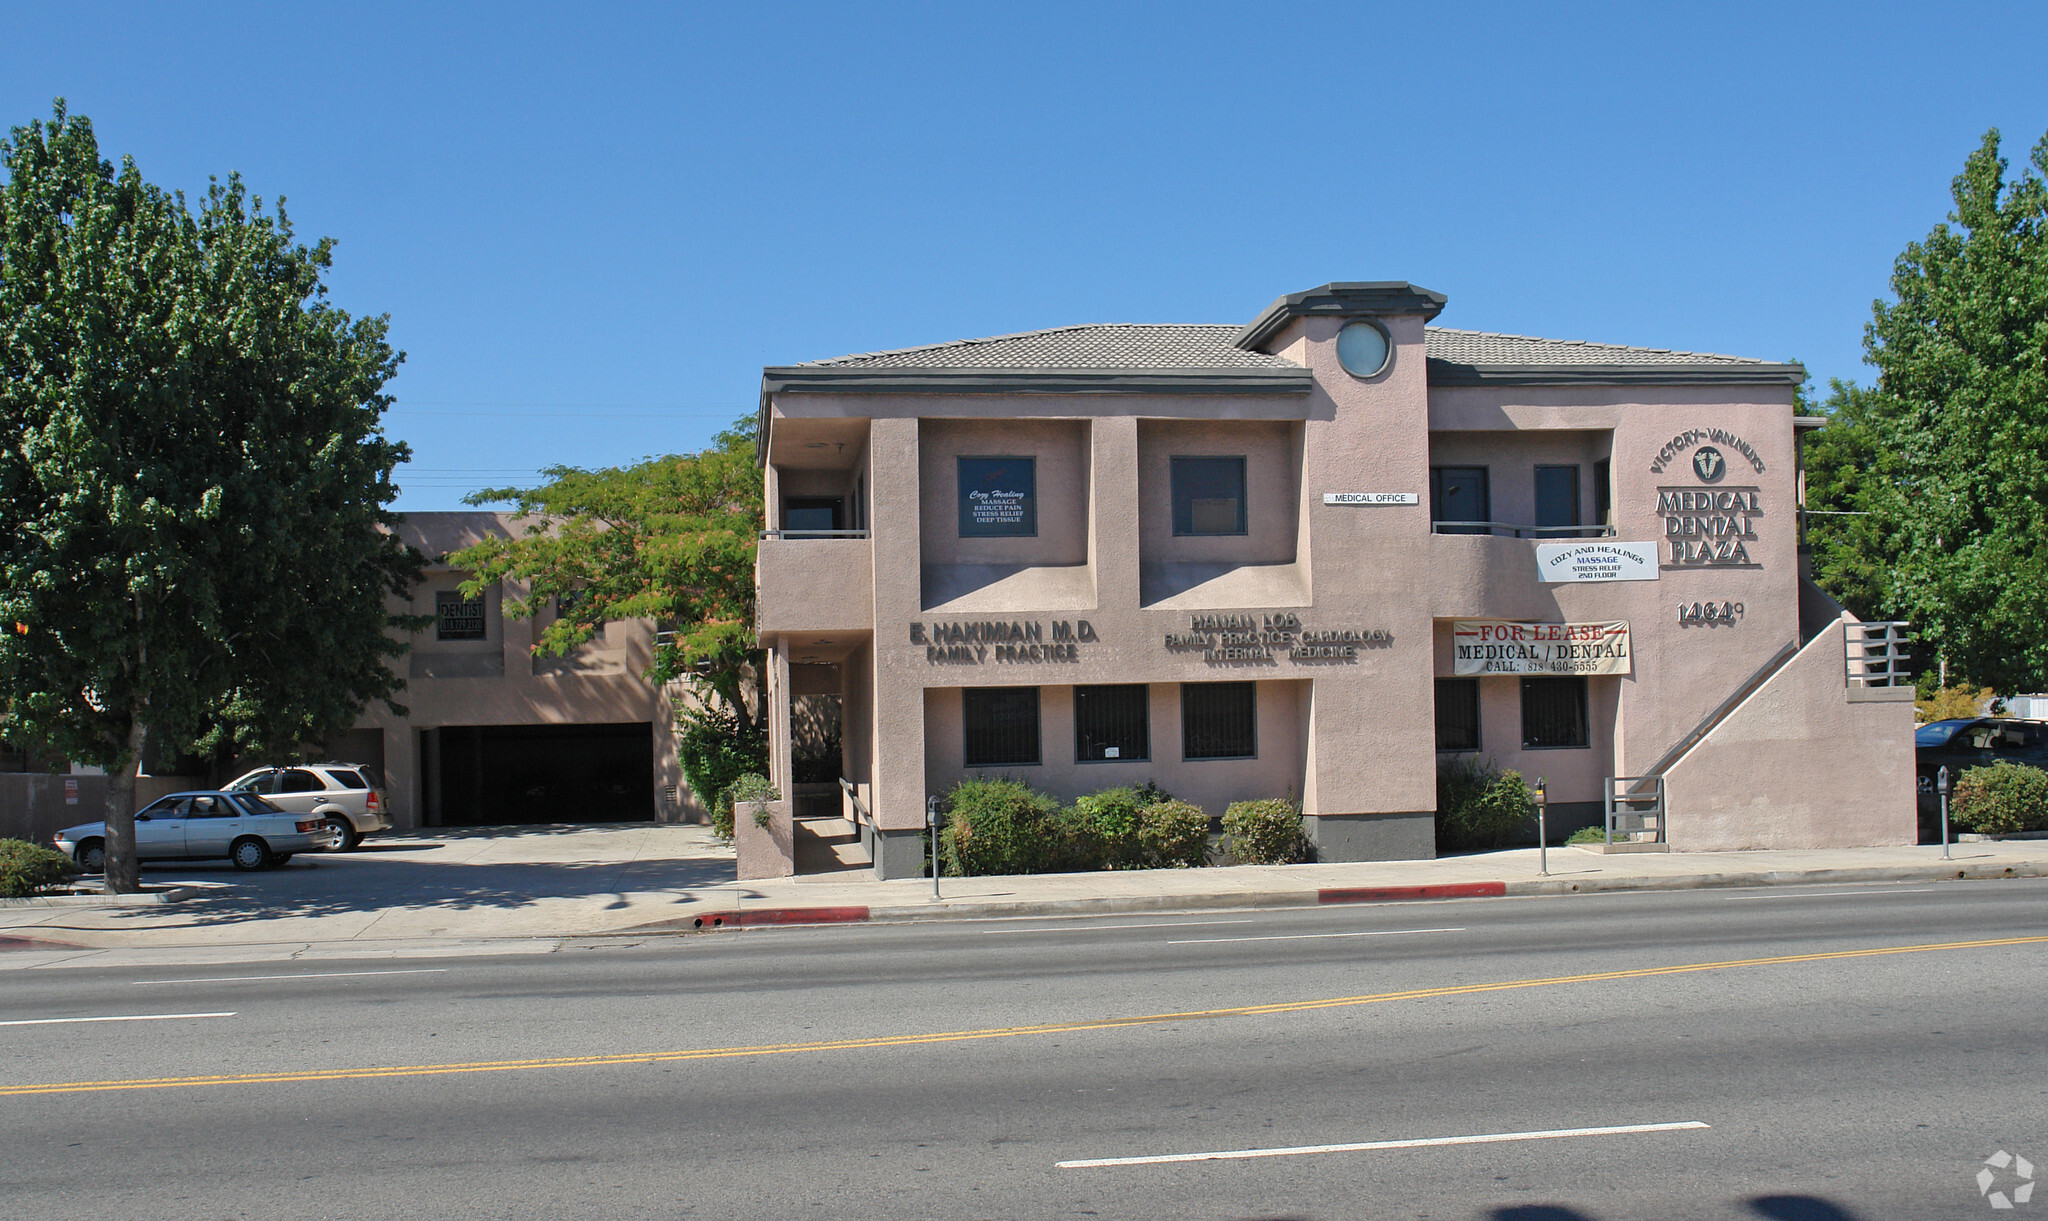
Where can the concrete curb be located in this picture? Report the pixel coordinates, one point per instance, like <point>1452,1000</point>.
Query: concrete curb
<point>969,909</point>
<point>153,898</point>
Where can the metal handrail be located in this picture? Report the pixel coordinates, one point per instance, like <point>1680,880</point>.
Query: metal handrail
<point>793,534</point>
<point>1517,531</point>
<point>1874,653</point>
<point>1641,806</point>
<point>860,807</point>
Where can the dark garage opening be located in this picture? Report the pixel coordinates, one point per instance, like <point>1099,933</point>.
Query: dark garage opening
<point>491,775</point>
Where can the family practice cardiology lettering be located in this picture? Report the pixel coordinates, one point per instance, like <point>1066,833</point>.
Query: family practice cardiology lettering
<point>1540,648</point>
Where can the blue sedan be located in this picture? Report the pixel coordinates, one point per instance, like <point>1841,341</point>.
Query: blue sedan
<point>244,828</point>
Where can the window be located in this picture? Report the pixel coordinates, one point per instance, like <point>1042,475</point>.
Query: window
<point>1110,724</point>
<point>813,513</point>
<point>1000,725</point>
<point>1218,721</point>
<point>1208,496</point>
<point>1457,714</point>
<point>348,779</point>
<point>998,497</point>
<point>860,502</point>
<point>1557,498</point>
<point>1458,494</point>
<point>1603,494</point>
<point>457,617</point>
<point>1553,713</point>
<point>299,780</point>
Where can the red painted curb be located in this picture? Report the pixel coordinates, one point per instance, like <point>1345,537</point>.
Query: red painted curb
<point>1384,894</point>
<point>782,915</point>
<point>34,943</point>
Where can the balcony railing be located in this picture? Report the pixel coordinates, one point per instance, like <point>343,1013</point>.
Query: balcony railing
<point>1874,654</point>
<point>1511,530</point>
<point>796,534</point>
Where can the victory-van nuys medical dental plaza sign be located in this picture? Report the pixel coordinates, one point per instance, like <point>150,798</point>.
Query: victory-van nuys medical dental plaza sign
<point>1493,647</point>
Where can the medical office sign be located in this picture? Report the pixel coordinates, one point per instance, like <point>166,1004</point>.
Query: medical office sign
<point>1492,647</point>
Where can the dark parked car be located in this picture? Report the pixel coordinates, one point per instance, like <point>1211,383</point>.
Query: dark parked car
<point>1975,742</point>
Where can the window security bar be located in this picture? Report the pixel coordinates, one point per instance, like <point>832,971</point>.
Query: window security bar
<point>1635,806</point>
<point>1512,530</point>
<point>1874,653</point>
<point>774,534</point>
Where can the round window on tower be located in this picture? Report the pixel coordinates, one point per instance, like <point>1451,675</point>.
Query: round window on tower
<point>1363,348</point>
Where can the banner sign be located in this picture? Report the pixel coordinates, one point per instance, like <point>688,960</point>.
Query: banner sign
<point>1539,648</point>
<point>1561,563</point>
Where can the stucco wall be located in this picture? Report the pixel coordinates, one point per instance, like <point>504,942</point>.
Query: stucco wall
<point>1797,765</point>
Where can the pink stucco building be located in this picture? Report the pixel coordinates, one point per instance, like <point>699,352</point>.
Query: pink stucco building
<point>1312,555</point>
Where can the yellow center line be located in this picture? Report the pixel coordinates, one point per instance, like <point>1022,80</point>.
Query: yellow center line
<point>962,1036</point>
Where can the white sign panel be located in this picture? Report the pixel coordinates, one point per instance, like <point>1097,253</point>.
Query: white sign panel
<point>1558,563</point>
<point>1492,647</point>
<point>1371,498</point>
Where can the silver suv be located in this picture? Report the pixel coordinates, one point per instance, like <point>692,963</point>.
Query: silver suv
<point>349,797</point>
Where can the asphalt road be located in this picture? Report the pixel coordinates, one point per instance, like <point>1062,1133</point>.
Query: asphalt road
<point>949,1070</point>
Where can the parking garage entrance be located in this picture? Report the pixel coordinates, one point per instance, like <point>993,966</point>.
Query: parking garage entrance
<point>492,775</point>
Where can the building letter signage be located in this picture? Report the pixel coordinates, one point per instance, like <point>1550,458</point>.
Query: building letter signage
<point>1006,641</point>
<point>1709,527</point>
<point>1255,639</point>
<point>1539,648</point>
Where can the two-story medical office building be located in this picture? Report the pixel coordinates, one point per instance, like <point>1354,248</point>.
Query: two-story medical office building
<point>1310,556</point>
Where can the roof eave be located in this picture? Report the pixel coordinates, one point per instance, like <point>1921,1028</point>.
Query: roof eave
<point>1343,299</point>
<point>1451,373</point>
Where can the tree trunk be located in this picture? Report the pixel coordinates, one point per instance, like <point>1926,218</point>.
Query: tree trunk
<point>124,873</point>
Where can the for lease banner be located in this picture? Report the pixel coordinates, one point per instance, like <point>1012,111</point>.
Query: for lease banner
<point>1493,647</point>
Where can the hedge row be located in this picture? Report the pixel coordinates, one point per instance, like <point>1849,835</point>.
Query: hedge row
<point>1007,827</point>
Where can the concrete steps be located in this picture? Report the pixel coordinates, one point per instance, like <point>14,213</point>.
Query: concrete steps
<point>828,845</point>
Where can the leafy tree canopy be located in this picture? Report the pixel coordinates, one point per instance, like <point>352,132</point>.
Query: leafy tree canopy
<point>671,539</point>
<point>1948,453</point>
<point>193,478</point>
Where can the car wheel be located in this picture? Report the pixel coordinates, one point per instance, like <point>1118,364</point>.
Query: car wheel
<point>91,856</point>
<point>341,834</point>
<point>249,853</point>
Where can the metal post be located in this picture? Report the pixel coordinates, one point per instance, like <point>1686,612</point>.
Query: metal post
<point>931,823</point>
<point>1941,784</point>
<point>1542,834</point>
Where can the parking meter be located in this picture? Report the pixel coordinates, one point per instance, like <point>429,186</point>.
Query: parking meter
<point>1941,787</point>
<point>1542,835</point>
<point>931,823</point>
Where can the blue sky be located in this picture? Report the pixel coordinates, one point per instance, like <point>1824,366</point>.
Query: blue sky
<point>592,225</point>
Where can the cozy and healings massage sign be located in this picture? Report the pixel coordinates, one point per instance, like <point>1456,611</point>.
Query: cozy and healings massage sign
<point>1539,648</point>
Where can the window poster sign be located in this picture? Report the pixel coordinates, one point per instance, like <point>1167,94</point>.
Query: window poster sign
<point>1564,563</point>
<point>1539,648</point>
<point>998,497</point>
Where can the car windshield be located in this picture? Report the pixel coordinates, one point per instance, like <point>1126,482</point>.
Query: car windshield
<point>249,783</point>
<point>1936,733</point>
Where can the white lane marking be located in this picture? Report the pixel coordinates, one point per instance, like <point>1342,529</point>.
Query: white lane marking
<point>1100,928</point>
<point>1830,894</point>
<point>1491,1138</point>
<point>128,1017</point>
<point>235,979</point>
<point>1385,932</point>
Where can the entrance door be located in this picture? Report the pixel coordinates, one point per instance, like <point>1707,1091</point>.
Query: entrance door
<point>1459,494</point>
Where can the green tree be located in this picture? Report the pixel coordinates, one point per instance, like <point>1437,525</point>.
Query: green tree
<point>671,539</point>
<point>1948,453</point>
<point>1844,462</point>
<point>193,538</point>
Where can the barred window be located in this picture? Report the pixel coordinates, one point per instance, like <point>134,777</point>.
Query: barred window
<point>1110,724</point>
<point>1218,721</point>
<point>1553,713</point>
<point>457,617</point>
<point>1457,714</point>
<point>1000,726</point>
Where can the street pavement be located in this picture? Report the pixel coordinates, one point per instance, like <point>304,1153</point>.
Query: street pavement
<point>525,890</point>
<point>1788,1053</point>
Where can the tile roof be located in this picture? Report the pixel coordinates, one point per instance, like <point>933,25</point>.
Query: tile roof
<point>1486,348</point>
<point>1115,345</point>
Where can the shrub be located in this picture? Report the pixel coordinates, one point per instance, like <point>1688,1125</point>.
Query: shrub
<point>2001,799</point>
<point>1265,832</point>
<point>1103,831</point>
<point>1478,805</point>
<point>755,790</point>
<point>1000,827</point>
<point>717,748</point>
<point>26,868</point>
<point>1589,835</point>
<point>1173,835</point>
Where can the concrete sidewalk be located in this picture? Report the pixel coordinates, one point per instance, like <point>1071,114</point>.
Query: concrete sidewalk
<point>521,890</point>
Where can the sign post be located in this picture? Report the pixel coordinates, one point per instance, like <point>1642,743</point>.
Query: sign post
<point>1941,784</point>
<point>1542,834</point>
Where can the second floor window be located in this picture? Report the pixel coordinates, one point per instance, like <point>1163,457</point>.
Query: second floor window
<point>457,617</point>
<point>1208,496</point>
